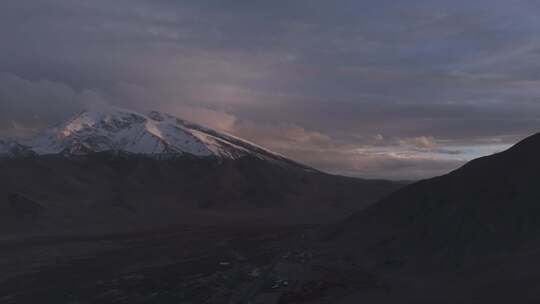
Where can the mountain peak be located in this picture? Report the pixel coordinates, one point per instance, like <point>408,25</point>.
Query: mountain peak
<point>155,133</point>
<point>95,119</point>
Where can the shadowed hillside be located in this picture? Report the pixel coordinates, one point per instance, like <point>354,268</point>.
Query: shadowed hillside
<point>117,191</point>
<point>471,236</point>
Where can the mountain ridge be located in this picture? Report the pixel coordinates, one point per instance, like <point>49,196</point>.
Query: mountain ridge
<point>487,208</point>
<point>125,169</point>
<point>153,134</point>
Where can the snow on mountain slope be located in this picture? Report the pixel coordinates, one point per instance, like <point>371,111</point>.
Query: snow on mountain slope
<point>12,148</point>
<point>154,134</point>
<point>4,147</point>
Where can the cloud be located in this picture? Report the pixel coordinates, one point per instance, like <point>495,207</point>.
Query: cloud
<point>26,106</point>
<point>330,83</point>
<point>421,142</point>
<point>218,120</point>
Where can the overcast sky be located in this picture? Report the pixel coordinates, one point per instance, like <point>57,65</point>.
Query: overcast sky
<point>372,88</point>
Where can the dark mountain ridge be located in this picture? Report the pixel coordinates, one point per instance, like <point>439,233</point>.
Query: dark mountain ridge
<point>119,191</point>
<point>471,236</point>
<point>488,205</point>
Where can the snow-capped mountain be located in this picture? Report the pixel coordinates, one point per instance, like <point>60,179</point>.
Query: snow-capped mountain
<point>5,147</point>
<point>154,134</point>
<point>10,148</point>
<point>188,174</point>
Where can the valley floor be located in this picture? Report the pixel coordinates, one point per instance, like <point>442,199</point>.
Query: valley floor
<point>191,265</point>
<point>240,264</point>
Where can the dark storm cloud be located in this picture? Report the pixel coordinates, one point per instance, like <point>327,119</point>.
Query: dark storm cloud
<point>342,85</point>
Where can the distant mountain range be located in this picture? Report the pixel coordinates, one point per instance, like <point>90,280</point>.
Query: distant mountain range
<point>116,169</point>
